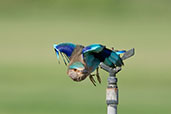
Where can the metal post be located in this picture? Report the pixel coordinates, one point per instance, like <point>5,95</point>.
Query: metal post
<point>112,88</point>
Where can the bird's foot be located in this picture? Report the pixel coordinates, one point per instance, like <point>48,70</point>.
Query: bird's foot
<point>92,79</point>
<point>97,75</point>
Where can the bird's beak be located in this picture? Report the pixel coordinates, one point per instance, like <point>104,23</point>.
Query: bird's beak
<point>84,71</point>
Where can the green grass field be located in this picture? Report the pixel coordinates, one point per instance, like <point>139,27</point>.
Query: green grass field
<point>32,81</point>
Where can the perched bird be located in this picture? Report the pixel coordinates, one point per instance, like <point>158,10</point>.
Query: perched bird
<point>82,61</point>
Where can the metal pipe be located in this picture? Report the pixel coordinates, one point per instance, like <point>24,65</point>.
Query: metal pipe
<point>112,95</point>
<point>112,109</point>
<point>112,88</point>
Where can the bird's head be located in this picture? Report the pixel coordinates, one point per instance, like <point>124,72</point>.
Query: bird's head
<point>77,71</point>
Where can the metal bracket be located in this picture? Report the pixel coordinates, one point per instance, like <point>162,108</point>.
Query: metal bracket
<point>128,54</point>
<point>112,71</point>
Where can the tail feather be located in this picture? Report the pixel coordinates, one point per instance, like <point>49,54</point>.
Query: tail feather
<point>64,58</point>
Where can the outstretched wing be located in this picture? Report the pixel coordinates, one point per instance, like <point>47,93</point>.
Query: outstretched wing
<point>89,53</point>
<point>94,48</point>
<point>100,53</point>
<point>64,50</point>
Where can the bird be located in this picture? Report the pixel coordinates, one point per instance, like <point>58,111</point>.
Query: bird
<point>82,61</point>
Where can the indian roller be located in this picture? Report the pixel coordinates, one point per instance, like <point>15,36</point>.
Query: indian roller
<point>82,61</point>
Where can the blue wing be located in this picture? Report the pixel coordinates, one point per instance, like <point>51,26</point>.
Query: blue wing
<point>96,53</point>
<point>65,50</point>
<point>112,57</point>
<point>88,53</point>
<point>96,48</point>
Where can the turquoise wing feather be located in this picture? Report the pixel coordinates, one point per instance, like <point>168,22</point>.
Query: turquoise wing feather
<point>96,48</point>
<point>64,50</point>
<point>89,55</point>
<point>97,53</point>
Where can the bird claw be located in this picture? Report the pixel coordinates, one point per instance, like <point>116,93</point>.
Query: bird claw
<point>98,76</point>
<point>92,79</point>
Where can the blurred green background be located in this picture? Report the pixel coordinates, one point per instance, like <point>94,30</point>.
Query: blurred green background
<point>31,80</point>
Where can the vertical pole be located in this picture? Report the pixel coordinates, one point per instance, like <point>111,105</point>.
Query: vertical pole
<point>112,95</point>
<point>112,89</point>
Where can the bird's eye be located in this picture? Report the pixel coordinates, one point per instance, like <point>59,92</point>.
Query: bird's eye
<point>75,69</point>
